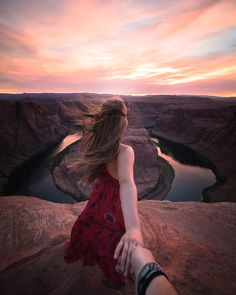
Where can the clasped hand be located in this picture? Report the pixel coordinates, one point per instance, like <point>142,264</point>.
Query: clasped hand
<point>130,239</point>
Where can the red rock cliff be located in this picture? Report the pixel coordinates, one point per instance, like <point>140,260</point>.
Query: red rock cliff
<point>194,242</point>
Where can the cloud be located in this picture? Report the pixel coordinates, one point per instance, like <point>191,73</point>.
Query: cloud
<point>222,42</point>
<point>116,45</point>
<point>15,42</point>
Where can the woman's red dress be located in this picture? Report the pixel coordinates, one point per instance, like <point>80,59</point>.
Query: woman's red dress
<point>99,228</point>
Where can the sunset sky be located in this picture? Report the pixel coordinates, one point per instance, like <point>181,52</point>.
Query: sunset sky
<point>118,46</point>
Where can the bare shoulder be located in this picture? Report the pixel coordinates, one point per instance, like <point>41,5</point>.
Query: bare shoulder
<point>124,148</point>
<point>126,152</point>
<point>125,163</point>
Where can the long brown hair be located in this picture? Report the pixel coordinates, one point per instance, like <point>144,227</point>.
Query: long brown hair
<point>101,140</point>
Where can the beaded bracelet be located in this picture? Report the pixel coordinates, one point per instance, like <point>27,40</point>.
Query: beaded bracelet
<point>148,272</point>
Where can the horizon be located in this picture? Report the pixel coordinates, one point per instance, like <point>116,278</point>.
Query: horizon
<point>123,94</point>
<point>119,47</point>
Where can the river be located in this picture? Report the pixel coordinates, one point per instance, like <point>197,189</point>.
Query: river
<point>191,175</point>
<point>39,182</point>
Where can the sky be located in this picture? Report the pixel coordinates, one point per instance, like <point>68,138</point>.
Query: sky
<point>118,46</point>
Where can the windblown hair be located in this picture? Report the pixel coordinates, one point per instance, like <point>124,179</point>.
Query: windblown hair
<point>100,142</point>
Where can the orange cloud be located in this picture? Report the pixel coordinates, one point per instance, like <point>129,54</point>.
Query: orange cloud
<point>118,46</point>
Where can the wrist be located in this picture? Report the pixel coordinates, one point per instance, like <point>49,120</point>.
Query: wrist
<point>133,227</point>
<point>146,274</point>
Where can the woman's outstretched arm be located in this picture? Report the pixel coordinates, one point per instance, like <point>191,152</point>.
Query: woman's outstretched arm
<point>128,197</point>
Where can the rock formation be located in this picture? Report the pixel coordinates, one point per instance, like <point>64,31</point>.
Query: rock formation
<point>146,170</point>
<point>194,242</point>
<point>27,129</point>
<point>205,125</point>
<point>40,122</point>
<point>30,125</point>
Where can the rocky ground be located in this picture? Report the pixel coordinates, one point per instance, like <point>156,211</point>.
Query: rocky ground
<point>194,242</point>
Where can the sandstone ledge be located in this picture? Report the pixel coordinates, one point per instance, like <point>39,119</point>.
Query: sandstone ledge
<point>194,242</point>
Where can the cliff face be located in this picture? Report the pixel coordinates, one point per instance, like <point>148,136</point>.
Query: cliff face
<point>146,170</point>
<point>206,126</point>
<point>212,133</point>
<point>30,124</point>
<point>198,259</point>
<point>27,128</point>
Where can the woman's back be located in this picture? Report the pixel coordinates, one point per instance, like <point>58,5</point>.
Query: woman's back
<point>111,166</point>
<point>100,226</point>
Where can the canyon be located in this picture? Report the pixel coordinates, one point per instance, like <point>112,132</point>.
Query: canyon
<point>146,168</point>
<point>31,123</point>
<point>205,125</point>
<point>193,241</point>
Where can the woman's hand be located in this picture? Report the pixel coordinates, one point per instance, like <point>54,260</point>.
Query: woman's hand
<point>130,239</point>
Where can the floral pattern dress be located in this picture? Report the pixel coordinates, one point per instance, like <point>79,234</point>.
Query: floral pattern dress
<point>98,229</point>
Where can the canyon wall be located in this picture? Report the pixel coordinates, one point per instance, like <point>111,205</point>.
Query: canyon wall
<point>205,125</point>
<point>27,129</point>
<point>31,126</point>
<point>32,123</point>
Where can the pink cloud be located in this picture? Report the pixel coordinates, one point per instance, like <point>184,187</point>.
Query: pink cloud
<point>116,46</point>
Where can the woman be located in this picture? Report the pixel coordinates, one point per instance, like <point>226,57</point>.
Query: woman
<point>109,227</point>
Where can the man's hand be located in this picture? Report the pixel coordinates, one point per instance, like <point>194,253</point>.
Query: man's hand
<point>159,285</point>
<point>140,256</point>
<point>130,239</point>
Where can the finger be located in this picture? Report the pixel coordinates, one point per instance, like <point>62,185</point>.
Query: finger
<point>127,266</point>
<point>124,256</point>
<point>133,247</point>
<point>117,268</point>
<point>118,248</point>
